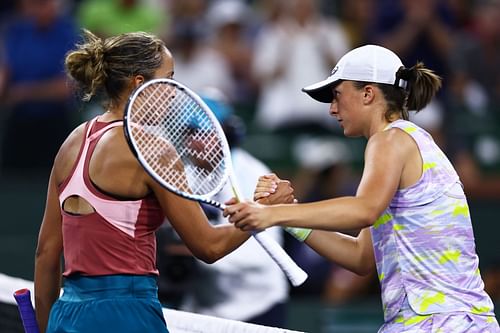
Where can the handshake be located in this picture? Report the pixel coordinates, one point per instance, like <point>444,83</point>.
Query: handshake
<point>270,190</point>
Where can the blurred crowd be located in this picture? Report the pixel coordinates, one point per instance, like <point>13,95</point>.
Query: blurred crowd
<point>260,53</point>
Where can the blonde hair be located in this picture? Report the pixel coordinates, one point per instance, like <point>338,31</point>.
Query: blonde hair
<point>107,65</point>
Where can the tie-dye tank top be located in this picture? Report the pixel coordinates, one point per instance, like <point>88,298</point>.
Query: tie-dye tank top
<point>424,243</point>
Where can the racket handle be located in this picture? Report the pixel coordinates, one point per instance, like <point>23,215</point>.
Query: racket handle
<point>295,274</point>
<point>28,317</point>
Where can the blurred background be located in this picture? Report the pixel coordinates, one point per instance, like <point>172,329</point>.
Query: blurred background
<point>259,54</point>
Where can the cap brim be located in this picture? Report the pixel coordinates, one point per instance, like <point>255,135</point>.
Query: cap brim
<point>322,91</point>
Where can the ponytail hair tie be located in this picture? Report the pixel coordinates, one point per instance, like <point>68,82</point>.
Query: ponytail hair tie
<point>404,76</point>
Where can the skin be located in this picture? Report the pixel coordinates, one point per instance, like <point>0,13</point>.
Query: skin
<point>115,170</point>
<point>392,162</point>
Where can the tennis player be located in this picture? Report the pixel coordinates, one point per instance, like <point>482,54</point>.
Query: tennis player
<point>410,205</point>
<point>103,209</point>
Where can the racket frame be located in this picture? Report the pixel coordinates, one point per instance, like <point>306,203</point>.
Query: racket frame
<point>294,273</point>
<point>127,123</point>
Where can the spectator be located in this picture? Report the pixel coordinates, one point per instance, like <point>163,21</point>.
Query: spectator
<point>417,30</point>
<point>473,134</point>
<point>113,17</point>
<point>475,80</point>
<point>231,25</point>
<point>358,20</point>
<point>197,63</point>
<point>299,45</point>
<point>420,31</point>
<point>33,88</point>
<point>473,100</point>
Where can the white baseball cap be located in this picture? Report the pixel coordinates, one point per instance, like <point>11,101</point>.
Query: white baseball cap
<point>368,63</point>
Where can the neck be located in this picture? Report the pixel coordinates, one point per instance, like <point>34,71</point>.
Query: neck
<point>378,127</point>
<point>377,121</point>
<point>113,113</point>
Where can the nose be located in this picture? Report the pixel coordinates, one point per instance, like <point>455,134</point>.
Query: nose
<point>333,108</point>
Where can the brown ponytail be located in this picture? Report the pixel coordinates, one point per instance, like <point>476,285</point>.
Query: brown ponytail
<point>423,84</point>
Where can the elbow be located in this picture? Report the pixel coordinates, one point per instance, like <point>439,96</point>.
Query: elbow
<point>208,255</point>
<point>40,252</point>
<point>208,258</point>
<point>215,246</point>
<point>368,216</point>
<point>367,219</point>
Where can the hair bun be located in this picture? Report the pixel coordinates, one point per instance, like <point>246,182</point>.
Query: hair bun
<point>95,49</point>
<point>86,64</point>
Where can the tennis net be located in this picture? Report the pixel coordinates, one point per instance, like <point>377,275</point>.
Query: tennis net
<point>177,321</point>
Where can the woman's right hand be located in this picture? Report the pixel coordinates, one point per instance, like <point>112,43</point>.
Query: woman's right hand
<point>271,190</point>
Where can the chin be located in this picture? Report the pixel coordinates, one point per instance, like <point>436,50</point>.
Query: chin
<point>350,134</point>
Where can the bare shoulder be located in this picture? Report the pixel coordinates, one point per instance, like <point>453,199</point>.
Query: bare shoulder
<point>114,144</point>
<point>392,140</point>
<point>75,135</point>
<point>68,152</point>
<point>115,169</point>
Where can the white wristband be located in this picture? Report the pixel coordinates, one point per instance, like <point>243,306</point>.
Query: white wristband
<point>300,234</point>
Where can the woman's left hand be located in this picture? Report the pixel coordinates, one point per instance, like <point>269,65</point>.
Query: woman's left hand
<point>248,215</point>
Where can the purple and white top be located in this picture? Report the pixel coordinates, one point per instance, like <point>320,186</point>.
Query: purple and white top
<point>424,242</point>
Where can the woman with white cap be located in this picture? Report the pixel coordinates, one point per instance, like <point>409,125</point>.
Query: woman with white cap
<point>415,224</point>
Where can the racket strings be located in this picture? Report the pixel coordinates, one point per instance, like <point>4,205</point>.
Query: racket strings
<point>178,139</point>
<point>207,161</point>
<point>148,120</point>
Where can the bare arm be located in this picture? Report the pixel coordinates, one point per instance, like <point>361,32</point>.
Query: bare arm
<point>384,164</point>
<point>207,242</point>
<point>48,257</point>
<point>352,253</point>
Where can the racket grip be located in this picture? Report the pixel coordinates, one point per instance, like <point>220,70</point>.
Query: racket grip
<point>28,317</point>
<point>295,274</point>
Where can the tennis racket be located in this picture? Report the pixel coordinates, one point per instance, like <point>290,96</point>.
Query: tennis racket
<point>181,144</point>
<point>26,311</point>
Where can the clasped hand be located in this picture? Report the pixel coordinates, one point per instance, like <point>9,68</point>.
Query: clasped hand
<point>259,214</point>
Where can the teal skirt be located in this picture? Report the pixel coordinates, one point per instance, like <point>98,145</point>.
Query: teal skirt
<point>114,303</point>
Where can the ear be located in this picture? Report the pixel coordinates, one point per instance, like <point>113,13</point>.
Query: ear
<point>138,80</point>
<point>368,94</point>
